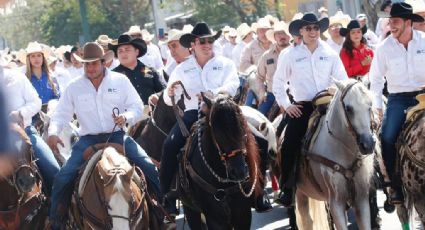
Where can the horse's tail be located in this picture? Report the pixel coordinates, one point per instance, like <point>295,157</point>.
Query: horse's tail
<point>319,215</point>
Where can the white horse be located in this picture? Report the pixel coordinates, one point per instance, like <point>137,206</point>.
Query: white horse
<point>338,165</point>
<point>68,133</point>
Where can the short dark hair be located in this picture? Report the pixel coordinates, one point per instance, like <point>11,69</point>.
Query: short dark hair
<point>385,4</point>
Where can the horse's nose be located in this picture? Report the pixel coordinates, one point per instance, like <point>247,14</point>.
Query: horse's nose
<point>239,173</point>
<point>366,143</point>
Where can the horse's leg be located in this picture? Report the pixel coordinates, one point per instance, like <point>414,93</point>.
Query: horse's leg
<point>241,217</point>
<point>362,211</point>
<point>339,217</point>
<point>303,210</point>
<point>193,218</point>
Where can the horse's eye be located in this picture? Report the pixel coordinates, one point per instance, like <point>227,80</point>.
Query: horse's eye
<point>349,109</point>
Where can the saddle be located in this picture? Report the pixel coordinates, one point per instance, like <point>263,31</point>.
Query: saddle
<point>419,107</point>
<point>321,102</point>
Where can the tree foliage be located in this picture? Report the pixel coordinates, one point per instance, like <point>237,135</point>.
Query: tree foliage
<point>58,22</point>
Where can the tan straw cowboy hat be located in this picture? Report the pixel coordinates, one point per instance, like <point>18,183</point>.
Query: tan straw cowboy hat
<point>34,47</point>
<point>278,26</point>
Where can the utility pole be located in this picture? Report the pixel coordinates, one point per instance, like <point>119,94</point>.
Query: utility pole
<point>84,22</point>
<point>157,17</point>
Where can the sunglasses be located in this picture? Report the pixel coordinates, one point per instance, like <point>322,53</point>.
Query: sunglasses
<point>310,28</point>
<point>203,41</point>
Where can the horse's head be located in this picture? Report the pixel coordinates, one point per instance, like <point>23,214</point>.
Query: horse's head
<point>116,174</point>
<point>228,131</point>
<point>357,110</point>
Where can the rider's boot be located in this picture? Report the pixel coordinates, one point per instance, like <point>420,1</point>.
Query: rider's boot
<point>262,203</point>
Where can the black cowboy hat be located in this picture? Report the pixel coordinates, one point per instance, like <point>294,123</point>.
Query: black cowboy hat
<point>308,19</point>
<point>402,10</point>
<point>201,30</point>
<point>354,24</point>
<point>125,39</point>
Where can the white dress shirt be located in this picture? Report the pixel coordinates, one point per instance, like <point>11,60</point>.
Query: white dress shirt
<point>94,108</point>
<point>307,73</point>
<point>403,69</point>
<point>74,72</point>
<point>218,75</point>
<point>21,95</point>
<point>170,66</point>
<point>63,78</point>
<point>335,46</point>
<point>237,52</point>
<point>152,58</point>
<point>228,50</point>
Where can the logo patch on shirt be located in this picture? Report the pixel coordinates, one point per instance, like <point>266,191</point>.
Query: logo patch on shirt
<point>189,70</point>
<point>270,61</point>
<point>420,51</point>
<point>300,59</point>
<point>323,58</point>
<point>217,68</point>
<point>112,90</point>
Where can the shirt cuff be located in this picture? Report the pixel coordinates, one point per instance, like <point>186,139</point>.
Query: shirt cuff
<point>377,102</point>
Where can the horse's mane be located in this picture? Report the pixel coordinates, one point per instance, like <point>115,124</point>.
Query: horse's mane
<point>253,158</point>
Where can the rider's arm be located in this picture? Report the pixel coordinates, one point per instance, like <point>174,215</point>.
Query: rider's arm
<point>175,76</point>
<point>63,112</point>
<point>338,70</point>
<point>32,101</point>
<point>280,79</point>
<point>376,76</point>
<point>246,58</point>
<point>133,103</point>
<point>262,68</point>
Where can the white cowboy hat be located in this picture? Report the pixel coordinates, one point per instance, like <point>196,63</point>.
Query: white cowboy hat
<point>338,18</point>
<point>174,35</point>
<point>322,9</point>
<point>243,30</point>
<point>226,29</point>
<point>297,16</point>
<point>147,36</point>
<point>187,28</point>
<point>103,40</point>
<point>35,47</point>
<point>271,19</point>
<point>232,33</point>
<point>278,26</point>
<point>263,23</point>
<point>417,5</point>
<point>134,30</point>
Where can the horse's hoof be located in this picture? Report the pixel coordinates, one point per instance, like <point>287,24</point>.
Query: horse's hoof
<point>388,207</point>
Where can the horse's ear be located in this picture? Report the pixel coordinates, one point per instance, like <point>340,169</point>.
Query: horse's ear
<point>206,100</point>
<point>262,126</point>
<point>339,84</point>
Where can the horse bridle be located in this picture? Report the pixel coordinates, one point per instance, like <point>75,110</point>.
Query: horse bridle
<point>350,125</point>
<point>224,156</point>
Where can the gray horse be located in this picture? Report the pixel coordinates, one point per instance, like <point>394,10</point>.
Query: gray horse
<point>338,164</point>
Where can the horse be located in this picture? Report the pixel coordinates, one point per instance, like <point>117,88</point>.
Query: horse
<point>23,205</point>
<point>411,163</point>
<point>110,193</point>
<point>337,163</point>
<point>219,170</point>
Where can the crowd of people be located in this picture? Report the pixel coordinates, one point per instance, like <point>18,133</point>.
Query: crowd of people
<point>292,61</point>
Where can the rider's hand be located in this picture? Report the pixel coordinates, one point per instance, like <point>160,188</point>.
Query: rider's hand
<point>120,120</point>
<point>366,61</point>
<point>153,99</point>
<point>282,110</point>
<point>294,111</point>
<point>53,142</point>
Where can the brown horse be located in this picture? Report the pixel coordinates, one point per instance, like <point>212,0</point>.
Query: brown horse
<point>110,194</point>
<point>24,206</point>
<point>219,172</point>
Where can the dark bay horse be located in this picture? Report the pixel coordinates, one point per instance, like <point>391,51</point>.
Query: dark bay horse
<point>22,204</point>
<point>219,172</point>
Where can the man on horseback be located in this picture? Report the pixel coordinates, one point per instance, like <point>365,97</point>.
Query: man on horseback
<point>202,72</point>
<point>23,104</point>
<point>404,81</point>
<point>144,79</point>
<point>309,68</point>
<point>93,97</point>
<point>279,36</point>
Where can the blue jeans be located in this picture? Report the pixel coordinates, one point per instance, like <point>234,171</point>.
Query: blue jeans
<point>63,184</point>
<point>250,97</point>
<point>171,148</point>
<point>267,104</point>
<point>392,124</point>
<point>46,161</point>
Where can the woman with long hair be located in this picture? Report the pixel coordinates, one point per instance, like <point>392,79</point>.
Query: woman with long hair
<point>39,73</point>
<point>355,54</point>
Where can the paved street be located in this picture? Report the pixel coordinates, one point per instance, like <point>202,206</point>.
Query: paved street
<point>278,219</point>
